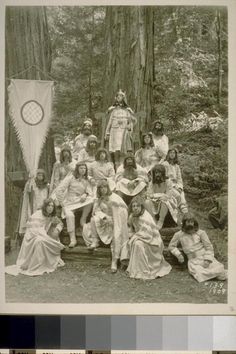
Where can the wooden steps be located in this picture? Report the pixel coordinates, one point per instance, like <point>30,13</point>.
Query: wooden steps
<point>103,253</point>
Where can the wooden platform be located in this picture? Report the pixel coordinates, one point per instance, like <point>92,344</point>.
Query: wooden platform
<point>103,254</point>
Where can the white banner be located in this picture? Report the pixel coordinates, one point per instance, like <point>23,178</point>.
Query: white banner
<point>30,105</point>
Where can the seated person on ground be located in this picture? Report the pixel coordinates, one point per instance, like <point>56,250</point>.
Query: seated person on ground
<point>41,248</point>
<point>145,246</point>
<point>195,243</point>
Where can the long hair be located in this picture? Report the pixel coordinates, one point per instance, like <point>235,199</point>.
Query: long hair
<point>91,138</point>
<point>76,171</point>
<point>98,153</point>
<point>161,124</point>
<point>103,183</point>
<point>174,161</point>
<point>161,169</point>
<point>142,139</point>
<point>189,218</point>
<point>41,184</point>
<point>62,159</point>
<point>46,202</point>
<point>140,201</point>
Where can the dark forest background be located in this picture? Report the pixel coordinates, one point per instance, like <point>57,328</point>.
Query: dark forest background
<point>172,61</point>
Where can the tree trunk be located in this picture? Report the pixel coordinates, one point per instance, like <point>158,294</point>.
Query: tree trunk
<point>27,44</point>
<point>219,43</point>
<point>129,59</point>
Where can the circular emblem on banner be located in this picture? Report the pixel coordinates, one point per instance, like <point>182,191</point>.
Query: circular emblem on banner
<point>32,112</point>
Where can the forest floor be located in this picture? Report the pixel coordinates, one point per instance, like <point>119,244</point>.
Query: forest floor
<point>90,281</point>
<point>84,280</point>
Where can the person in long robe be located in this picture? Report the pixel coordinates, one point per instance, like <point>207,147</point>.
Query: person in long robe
<point>120,127</point>
<point>146,260</point>
<point>40,251</point>
<point>35,192</point>
<point>102,168</point>
<point>62,168</point>
<point>173,171</point>
<point>81,139</point>
<point>147,156</point>
<point>161,199</point>
<point>87,154</point>
<point>195,243</point>
<point>130,179</point>
<point>108,223</point>
<point>75,192</point>
<point>161,141</point>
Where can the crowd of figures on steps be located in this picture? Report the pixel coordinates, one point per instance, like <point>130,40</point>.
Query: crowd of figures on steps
<point>125,204</point>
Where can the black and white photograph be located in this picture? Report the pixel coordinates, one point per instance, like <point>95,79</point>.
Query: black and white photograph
<point>116,157</point>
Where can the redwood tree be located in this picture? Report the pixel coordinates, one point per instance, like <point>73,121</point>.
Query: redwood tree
<point>27,44</point>
<point>130,58</point>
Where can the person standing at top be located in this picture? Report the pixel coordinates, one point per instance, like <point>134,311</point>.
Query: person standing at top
<point>120,128</point>
<point>160,140</point>
<point>82,139</point>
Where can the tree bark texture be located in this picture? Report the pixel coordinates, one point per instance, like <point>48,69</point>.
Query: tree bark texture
<point>130,59</point>
<point>27,44</point>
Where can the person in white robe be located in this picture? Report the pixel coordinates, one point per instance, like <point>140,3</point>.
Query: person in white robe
<point>102,168</point>
<point>73,193</point>
<point>62,168</point>
<point>131,179</point>
<point>81,139</point>
<point>195,243</point>
<point>147,155</point>
<point>161,199</point>
<point>120,127</point>
<point>87,154</point>
<point>146,260</point>
<point>173,171</point>
<point>108,223</point>
<point>40,251</point>
<point>161,141</point>
<point>35,192</point>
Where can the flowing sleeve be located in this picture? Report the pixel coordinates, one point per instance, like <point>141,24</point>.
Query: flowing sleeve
<point>209,254</point>
<point>62,188</point>
<point>173,245</point>
<point>138,156</point>
<point>108,128</point>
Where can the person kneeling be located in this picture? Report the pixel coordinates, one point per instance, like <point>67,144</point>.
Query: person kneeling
<point>202,264</point>
<point>145,244</point>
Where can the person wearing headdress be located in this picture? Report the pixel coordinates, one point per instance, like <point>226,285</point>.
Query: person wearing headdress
<point>102,168</point>
<point>160,140</point>
<point>161,201</point>
<point>108,223</point>
<point>147,156</point>
<point>62,168</point>
<point>40,250</point>
<point>35,192</point>
<point>81,139</point>
<point>130,179</point>
<point>119,131</point>
<point>196,245</point>
<point>73,193</point>
<point>88,153</point>
<point>146,260</point>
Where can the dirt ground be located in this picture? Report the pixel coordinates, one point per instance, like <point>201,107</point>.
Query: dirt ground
<point>84,281</point>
